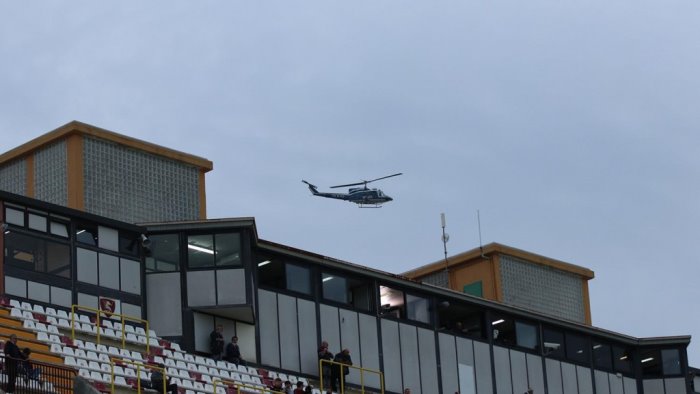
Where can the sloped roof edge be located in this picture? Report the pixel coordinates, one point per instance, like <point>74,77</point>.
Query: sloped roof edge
<point>75,127</point>
<point>496,248</point>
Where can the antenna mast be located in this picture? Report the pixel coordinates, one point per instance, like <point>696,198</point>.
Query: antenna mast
<point>445,238</point>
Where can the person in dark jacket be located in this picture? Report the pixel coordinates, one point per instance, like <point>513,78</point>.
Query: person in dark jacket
<point>216,342</point>
<point>337,371</point>
<point>324,354</point>
<point>157,381</point>
<point>233,352</point>
<point>13,356</point>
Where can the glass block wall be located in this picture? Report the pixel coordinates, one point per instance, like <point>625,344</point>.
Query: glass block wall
<point>50,174</point>
<point>543,289</point>
<point>437,279</point>
<point>13,177</point>
<point>135,187</point>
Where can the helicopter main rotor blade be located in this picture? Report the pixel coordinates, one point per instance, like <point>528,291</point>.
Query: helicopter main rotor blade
<point>384,177</point>
<point>349,184</point>
<point>366,182</point>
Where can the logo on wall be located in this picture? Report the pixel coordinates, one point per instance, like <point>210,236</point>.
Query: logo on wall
<point>107,305</point>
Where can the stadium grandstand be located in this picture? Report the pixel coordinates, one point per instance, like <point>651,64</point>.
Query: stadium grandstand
<point>112,273</point>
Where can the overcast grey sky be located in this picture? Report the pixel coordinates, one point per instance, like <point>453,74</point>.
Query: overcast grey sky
<point>572,126</point>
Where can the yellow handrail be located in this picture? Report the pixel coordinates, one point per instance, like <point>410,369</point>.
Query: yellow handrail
<point>123,318</point>
<point>342,375</point>
<point>114,360</point>
<point>238,386</point>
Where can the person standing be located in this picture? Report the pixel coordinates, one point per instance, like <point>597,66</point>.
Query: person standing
<point>339,372</point>
<point>326,368</point>
<point>216,342</point>
<point>12,357</point>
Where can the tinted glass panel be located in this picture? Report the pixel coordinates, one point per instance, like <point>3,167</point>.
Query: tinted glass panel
<point>526,335</point>
<point>503,330</point>
<point>418,308</point>
<point>671,362</point>
<point>228,249</point>
<point>651,363</point>
<point>335,288</point>
<point>200,251</point>
<point>298,278</point>
<point>129,243</point>
<point>271,274</point>
<point>577,348</point>
<point>86,234</point>
<point>165,253</point>
<point>461,319</point>
<point>37,254</point>
<point>553,343</point>
<point>602,356</point>
<point>622,359</point>
<point>37,222</point>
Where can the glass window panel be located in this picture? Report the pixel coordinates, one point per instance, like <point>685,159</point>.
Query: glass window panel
<point>37,222</point>
<point>37,254</point>
<point>60,229</point>
<point>577,348</point>
<point>418,308</point>
<point>14,216</point>
<point>461,319</point>
<point>335,288</point>
<point>228,249</point>
<point>129,243</point>
<point>651,363</point>
<point>503,330</point>
<point>671,362</point>
<point>298,278</point>
<point>58,259</point>
<point>553,342</point>
<point>602,356</point>
<point>526,335</point>
<point>200,251</point>
<point>165,253</point>
<point>271,273</point>
<point>86,234</point>
<point>391,302</point>
<point>622,359</point>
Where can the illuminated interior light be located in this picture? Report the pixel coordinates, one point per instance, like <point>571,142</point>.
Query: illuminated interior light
<point>499,321</point>
<point>264,263</point>
<point>623,358</point>
<point>597,346</point>
<point>80,232</point>
<point>327,279</point>
<point>646,360</point>
<point>200,249</point>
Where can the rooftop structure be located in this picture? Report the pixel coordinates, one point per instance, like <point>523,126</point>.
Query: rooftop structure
<point>188,274</point>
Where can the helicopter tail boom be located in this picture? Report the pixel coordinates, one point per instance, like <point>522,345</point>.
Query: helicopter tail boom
<point>313,188</point>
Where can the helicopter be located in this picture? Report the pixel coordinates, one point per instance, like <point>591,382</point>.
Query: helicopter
<point>362,196</point>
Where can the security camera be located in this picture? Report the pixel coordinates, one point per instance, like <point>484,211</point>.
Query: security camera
<point>145,242</point>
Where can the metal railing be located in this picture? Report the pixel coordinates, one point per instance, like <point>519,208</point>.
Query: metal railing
<point>335,364</point>
<point>37,376</point>
<point>114,361</point>
<point>238,386</point>
<point>123,318</point>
